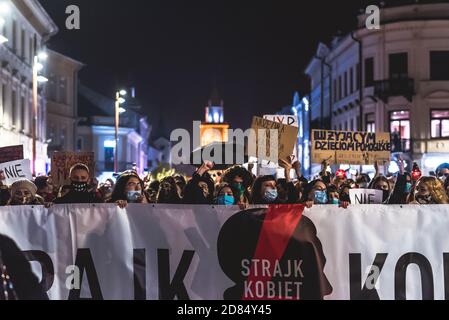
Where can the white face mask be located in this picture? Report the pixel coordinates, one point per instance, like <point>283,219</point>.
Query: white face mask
<point>133,196</point>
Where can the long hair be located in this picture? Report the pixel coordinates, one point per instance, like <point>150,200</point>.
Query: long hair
<point>238,171</point>
<point>436,189</point>
<point>308,188</point>
<point>169,196</point>
<point>120,186</point>
<point>223,185</point>
<point>256,197</point>
<point>378,179</point>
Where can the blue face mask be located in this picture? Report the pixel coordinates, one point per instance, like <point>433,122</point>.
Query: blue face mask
<point>225,200</point>
<point>408,187</point>
<point>320,197</point>
<point>335,201</point>
<point>270,195</point>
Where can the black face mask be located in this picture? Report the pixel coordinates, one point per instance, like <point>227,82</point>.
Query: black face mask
<point>385,195</point>
<point>80,186</point>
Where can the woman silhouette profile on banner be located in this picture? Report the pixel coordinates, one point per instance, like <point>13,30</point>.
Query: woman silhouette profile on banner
<point>272,254</point>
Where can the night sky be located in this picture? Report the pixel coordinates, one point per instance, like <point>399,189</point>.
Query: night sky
<point>174,51</point>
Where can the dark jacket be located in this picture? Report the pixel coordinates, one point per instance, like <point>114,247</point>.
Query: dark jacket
<point>398,196</point>
<point>78,197</point>
<point>25,283</point>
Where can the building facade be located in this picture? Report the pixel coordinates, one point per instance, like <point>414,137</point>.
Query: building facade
<point>395,80</point>
<point>96,132</point>
<point>27,27</point>
<point>62,101</point>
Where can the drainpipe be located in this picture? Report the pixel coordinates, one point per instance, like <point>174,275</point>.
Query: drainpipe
<point>360,75</point>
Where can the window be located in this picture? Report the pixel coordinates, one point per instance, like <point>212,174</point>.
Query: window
<point>346,125</point>
<point>400,130</point>
<point>371,122</point>
<point>340,96</point>
<point>335,89</point>
<point>51,87</point>
<point>22,44</point>
<point>346,83</point>
<point>340,127</point>
<point>63,90</point>
<point>369,72</point>
<point>351,81</point>
<point>439,65</point>
<point>439,124</point>
<point>357,77</point>
<point>14,36</point>
<point>22,113</point>
<point>398,65</point>
<point>352,125</point>
<point>14,108</point>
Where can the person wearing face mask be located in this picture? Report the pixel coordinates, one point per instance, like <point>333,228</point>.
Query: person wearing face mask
<point>315,193</point>
<point>241,180</point>
<point>79,191</point>
<point>24,193</point>
<point>225,195</point>
<point>200,189</point>
<point>442,171</point>
<point>363,181</point>
<point>381,183</point>
<point>129,188</point>
<point>429,190</point>
<point>264,191</point>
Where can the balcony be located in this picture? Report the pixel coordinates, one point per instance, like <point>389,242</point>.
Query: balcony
<point>385,89</point>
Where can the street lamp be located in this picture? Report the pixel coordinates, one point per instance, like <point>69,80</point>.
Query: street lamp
<point>37,66</point>
<point>118,110</point>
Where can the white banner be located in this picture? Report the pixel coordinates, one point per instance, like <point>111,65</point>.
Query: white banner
<point>201,252</point>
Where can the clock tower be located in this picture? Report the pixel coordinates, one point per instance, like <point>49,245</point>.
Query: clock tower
<point>214,128</point>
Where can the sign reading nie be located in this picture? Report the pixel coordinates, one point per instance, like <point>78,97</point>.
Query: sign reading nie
<point>345,147</point>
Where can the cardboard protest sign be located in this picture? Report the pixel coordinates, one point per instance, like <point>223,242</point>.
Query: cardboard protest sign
<point>61,162</point>
<point>284,119</point>
<point>344,147</point>
<point>289,121</point>
<point>11,153</point>
<point>16,170</point>
<point>365,196</point>
<point>287,137</point>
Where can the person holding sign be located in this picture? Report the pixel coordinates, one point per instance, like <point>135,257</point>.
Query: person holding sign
<point>79,193</point>
<point>23,193</point>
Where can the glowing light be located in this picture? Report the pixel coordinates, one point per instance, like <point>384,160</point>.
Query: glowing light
<point>109,144</point>
<point>216,117</point>
<point>4,7</point>
<point>42,56</point>
<point>3,39</point>
<point>123,92</point>
<point>121,100</point>
<point>42,79</point>
<point>121,110</point>
<point>39,66</point>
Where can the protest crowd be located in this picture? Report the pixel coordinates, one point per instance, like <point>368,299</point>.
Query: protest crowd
<point>234,186</point>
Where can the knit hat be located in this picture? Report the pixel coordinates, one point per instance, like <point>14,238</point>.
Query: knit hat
<point>24,184</point>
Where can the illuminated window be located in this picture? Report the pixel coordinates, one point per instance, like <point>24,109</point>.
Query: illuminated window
<point>371,122</point>
<point>400,130</point>
<point>440,124</point>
